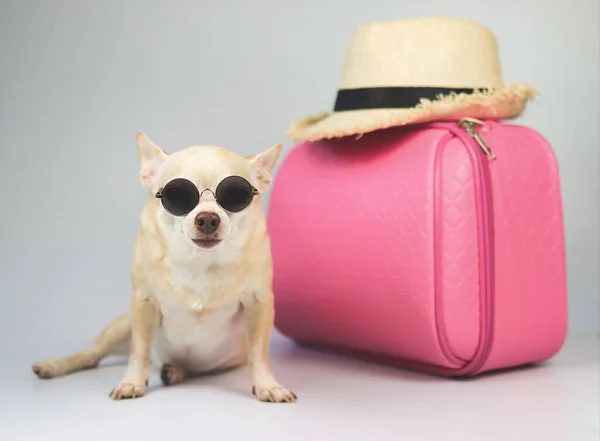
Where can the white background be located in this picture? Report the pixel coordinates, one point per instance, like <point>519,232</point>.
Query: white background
<point>79,78</point>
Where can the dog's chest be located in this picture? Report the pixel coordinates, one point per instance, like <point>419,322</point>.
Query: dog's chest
<point>196,281</point>
<point>205,286</point>
<point>200,340</point>
<point>201,317</point>
<point>185,328</point>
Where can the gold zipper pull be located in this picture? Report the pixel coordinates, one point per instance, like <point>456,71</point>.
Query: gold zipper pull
<point>469,125</point>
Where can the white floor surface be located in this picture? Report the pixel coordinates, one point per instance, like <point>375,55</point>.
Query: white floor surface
<point>339,399</point>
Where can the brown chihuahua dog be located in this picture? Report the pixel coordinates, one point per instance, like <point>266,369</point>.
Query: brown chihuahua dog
<point>202,272</point>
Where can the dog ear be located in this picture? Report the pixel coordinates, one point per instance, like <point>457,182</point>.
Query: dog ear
<point>263,164</point>
<point>151,157</point>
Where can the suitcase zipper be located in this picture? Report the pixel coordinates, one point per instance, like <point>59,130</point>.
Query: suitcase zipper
<point>466,131</point>
<point>469,125</point>
<point>486,246</point>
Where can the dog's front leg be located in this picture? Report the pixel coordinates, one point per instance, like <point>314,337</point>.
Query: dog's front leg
<point>144,318</point>
<point>259,320</point>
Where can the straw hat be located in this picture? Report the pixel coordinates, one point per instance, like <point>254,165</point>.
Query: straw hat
<point>414,71</point>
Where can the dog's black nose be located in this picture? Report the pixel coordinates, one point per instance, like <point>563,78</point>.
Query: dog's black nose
<point>207,222</point>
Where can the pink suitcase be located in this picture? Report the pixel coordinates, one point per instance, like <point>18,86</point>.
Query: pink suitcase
<point>415,247</point>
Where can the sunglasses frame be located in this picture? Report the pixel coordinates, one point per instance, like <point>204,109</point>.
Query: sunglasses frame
<point>255,192</point>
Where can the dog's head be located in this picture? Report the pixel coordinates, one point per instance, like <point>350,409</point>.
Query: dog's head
<point>208,195</point>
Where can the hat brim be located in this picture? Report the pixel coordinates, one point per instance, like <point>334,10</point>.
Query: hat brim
<point>503,103</point>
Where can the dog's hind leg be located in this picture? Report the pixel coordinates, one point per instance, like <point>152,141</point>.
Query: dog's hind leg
<point>172,374</point>
<point>115,339</point>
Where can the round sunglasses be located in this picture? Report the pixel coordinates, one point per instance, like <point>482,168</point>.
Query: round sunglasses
<point>180,196</point>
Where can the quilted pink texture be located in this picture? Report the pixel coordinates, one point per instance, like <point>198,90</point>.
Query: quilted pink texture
<point>409,245</point>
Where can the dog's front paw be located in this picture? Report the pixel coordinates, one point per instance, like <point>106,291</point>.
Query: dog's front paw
<point>127,390</point>
<point>274,393</point>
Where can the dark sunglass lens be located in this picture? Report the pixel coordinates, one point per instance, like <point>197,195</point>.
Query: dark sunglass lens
<point>234,194</point>
<point>180,196</point>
